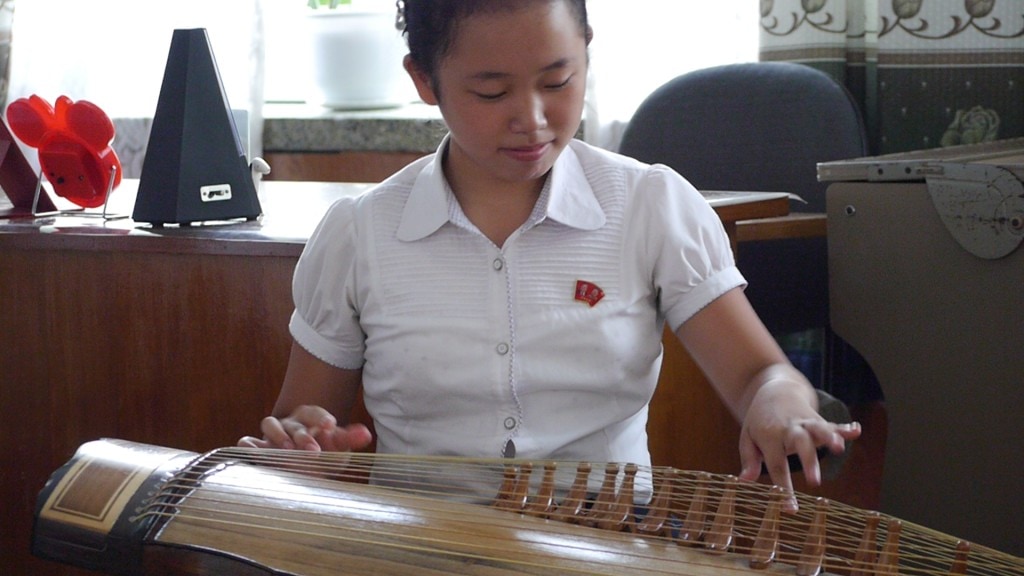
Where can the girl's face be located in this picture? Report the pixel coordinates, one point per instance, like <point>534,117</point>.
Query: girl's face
<point>511,91</point>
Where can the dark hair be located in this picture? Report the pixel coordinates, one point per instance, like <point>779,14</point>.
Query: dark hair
<point>430,26</point>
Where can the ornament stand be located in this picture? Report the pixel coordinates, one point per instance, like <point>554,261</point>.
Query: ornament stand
<point>77,211</point>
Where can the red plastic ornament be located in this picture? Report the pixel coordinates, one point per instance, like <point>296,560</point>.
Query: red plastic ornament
<point>73,139</point>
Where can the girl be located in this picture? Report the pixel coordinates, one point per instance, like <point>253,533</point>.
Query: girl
<point>507,295</point>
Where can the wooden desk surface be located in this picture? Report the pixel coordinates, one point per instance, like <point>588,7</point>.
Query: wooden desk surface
<point>291,211</point>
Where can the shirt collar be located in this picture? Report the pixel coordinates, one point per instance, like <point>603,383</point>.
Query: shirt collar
<point>426,210</point>
<point>570,199</point>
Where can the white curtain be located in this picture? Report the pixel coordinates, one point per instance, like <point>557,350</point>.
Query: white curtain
<point>638,45</point>
<point>113,54</point>
<point>642,44</point>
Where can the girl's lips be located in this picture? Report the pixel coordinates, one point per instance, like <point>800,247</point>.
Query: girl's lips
<point>528,153</point>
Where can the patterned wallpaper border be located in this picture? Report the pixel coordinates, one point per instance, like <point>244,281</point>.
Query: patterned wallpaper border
<point>896,24</point>
<point>926,73</point>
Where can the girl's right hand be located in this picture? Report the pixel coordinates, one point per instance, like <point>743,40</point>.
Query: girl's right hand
<point>309,428</point>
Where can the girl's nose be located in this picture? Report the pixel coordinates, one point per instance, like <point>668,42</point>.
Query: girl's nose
<point>528,115</point>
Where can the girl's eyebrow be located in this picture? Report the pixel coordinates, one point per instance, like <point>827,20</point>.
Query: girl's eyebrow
<point>488,75</point>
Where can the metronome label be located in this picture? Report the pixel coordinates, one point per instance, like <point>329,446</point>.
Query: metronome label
<point>215,193</point>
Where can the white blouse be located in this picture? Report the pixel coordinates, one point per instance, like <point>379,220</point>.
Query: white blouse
<point>549,346</point>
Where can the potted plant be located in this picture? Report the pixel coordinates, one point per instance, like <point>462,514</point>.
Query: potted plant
<point>356,54</point>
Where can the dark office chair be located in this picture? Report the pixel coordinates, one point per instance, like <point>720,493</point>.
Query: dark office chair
<point>758,126</point>
<point>765,126</point>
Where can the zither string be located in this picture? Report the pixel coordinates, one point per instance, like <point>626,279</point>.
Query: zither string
<point>426,482</point>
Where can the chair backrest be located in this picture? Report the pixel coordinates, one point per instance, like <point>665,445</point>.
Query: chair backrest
<point>752,126</point>
<point>758,126</point>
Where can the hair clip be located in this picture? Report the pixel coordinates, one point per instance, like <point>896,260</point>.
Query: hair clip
<point>400,15</point>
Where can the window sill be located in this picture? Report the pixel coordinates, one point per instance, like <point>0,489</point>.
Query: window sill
<point>303,128</point>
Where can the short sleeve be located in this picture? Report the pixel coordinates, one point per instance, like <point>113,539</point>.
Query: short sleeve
<point>326,317</point>
<point>694,263</point>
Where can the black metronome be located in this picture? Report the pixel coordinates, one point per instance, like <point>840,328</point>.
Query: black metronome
<point>195,167</point>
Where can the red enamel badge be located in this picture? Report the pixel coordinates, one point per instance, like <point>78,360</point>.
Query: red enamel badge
<point>588,292</point>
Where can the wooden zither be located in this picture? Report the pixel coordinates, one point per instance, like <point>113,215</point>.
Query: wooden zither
<point>126,508</point>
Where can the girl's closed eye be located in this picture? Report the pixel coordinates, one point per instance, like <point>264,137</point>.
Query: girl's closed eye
<point>497,95</point>
<point>489,87</point>
<point>559,85</point>
<point>489,96</point>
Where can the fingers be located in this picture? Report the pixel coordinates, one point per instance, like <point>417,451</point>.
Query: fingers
<point>771,450</point>
<point>302,429</point>
<point>830,435</point>
<point>253,442</point>
<point>309,428</point>
<point>346,438</point>
<point>848,431</point>
<point>753,459</point>
<point>807,451</point>
<point>288,434</point>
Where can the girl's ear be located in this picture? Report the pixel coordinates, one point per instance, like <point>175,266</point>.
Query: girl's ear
<point>424,87</point>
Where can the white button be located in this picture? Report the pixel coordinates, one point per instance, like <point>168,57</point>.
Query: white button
<point>510,423</point>
<point>502,348</point>
<point>499,264</point>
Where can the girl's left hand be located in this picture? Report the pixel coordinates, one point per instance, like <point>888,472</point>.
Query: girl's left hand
<point>779,423</point>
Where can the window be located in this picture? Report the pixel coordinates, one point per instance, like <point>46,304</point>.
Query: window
<point>117,59</point>
<point>639,48</point>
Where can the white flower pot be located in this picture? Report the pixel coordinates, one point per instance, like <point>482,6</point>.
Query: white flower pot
<point>357,59</point>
